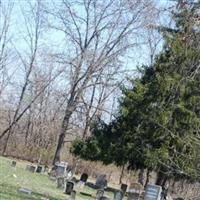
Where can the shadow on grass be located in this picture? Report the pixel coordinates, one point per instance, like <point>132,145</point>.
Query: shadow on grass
<point>8,192</point>
<point>93,186</point>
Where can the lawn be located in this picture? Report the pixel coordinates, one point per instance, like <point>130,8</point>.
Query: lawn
<point>11,179</point>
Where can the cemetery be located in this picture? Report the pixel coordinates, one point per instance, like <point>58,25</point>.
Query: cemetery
<point>21,180</point>
<point>99,99</point>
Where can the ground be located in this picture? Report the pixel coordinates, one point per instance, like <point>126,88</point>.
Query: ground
<point>11,179</point>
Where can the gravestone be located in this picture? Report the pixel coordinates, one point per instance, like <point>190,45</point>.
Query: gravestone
<point>101,182</point>
<point>104,198</point>
<point>118,195</point>
<point>99,194</point>
<point>25,191</point>
<point>124,188</point>
<point>135,190</point>
<point>133,196</point>
<point>60,182</point>
<point>69,186</point>
<point>60,169</point>
<point>30,168</point>
<point>153,192</point>
<point>39,169</point>
<point>84,177</point>
<point>73,195</point>
<point>13,163</point>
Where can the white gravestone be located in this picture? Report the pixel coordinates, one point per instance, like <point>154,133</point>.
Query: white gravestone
<point>153,192</point>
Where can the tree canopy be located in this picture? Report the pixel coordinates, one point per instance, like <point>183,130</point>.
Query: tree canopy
<point>158,123</point>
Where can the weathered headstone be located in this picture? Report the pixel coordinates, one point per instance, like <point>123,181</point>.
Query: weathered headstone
<point>124,188</point>
<point>60,169</point>
<point>13,163</point>
<point>73,195</point>
<point>69,186</point>
<point>101,182</point>
<point>39,169</point>
<point>153,192</point>
<point>104,198</point>
<point>135,190</point>
<point>60,182</point>
<point>99,194</point>
<point>133,196</point>
<point>30,168</point>
<point>25,191</point>
<point>118,195</point>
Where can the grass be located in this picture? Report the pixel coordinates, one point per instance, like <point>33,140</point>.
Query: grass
<point>11,179</point>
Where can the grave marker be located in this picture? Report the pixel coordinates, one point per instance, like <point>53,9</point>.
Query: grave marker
<point>69,186</point>
<point>101,182</point>
<point>60,182</point>
<point>30,168</point>
<point>99,194</point>
<point>124,188</point>
<point>118,195</point>
<point>39,169</point>
<point>153,192</point>
<point>73,195</point>
<point>13,163</point>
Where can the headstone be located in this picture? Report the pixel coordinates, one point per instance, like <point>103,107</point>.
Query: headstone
<point>84,177</point>
<point>133,196</point>
<point>69,186</point>
<point>25,191</point>
<point>118,195</point>
<point>124,188</point>
<point>60,182</point>
<point>30,168</point>
<point>99,194</point>
<point>73,195</point>
<point>101,182</point>
<point>39,169</point>
<point>60,169</point>
<point>13,163</point>
<point>104,198</point>
<point>135,190</point>
<point>153,192</point>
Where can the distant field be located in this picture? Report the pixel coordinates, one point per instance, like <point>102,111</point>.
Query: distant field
<point>11,179</point>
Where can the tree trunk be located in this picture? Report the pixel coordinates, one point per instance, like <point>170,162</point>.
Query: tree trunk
<point>161,179</point>
<point>147,177</point>
<point>62,135</point>
<point>141,176</point>
<point>122,174</point>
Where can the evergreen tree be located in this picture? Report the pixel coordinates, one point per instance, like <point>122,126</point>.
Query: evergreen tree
<point>158,126</point>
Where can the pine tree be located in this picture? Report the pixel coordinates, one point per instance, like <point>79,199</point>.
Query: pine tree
<point>158,126</point>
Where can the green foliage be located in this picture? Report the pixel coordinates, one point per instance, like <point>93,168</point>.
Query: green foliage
<point>158,126</point>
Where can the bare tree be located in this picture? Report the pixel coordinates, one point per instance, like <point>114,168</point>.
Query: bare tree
<point>5,40</point>
<point>97,34</point>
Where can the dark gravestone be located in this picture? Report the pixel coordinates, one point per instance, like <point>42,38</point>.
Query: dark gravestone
<point>39,169</point>
<point>118,195</point>
<point>13,163</point>
<point>60,182</point>
<point>101,182</point>
<point>104,198</point>
<point>124,188</point>
<point>69,186</point>
<point>153,192</point>
<point>99,194</point>
<point>84,177</point>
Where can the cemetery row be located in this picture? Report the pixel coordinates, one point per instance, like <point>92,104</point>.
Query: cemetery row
<point>64,179</point>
